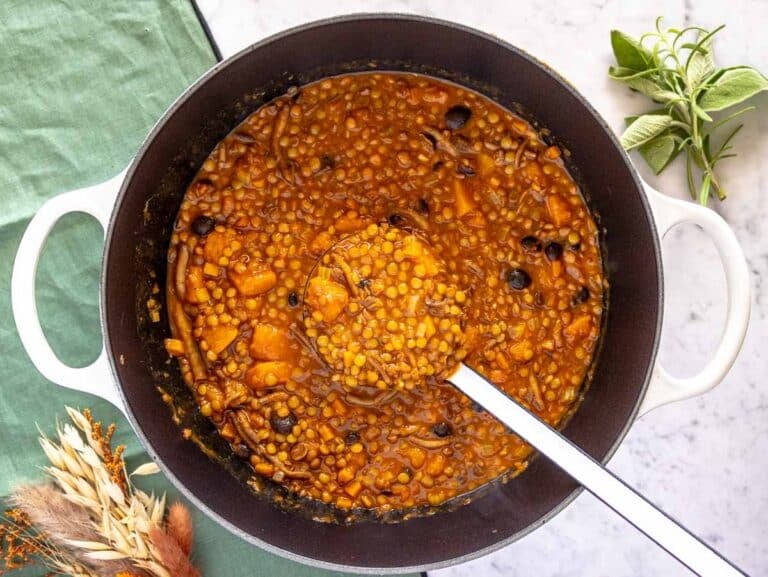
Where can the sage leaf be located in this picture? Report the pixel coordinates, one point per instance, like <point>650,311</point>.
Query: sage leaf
<point>677,71</point>
<point>650,88</point>
<point>629,52</point>
<point>659,152</point>
<point>643,129</point>
<point>734,85</point>
<point>701,63</point>
<point>630,119</point>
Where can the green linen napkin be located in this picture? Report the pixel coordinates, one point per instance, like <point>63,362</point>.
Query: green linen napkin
<point>81,83</point>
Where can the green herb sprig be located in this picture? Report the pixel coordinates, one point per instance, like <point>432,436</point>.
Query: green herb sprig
<point>676,69</point>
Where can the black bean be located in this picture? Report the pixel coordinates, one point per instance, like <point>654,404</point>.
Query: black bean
<point>457,116</point>
<point>241,451</point>
<point>466,170</point>
<point>553,250</point>
<point>442,429</point>
<point>582,296</point>
<point>518,279</point>
<point>327,161</point>
<point>396,219</point>
<point>282,425</point>
<point>202,225</point>
<point>437,166</point>
<point>422,206</point>
<point>293,299</point>
<point>530,243</point>
<point>351,437</point>
<point>364,283</point>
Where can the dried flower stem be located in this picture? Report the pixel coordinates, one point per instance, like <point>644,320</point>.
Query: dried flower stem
<point>92,520</point>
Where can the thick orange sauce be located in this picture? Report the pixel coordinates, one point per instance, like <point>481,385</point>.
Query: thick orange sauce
<point>519,260</point>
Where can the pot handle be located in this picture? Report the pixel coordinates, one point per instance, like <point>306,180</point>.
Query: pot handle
<point>669,212</point>
<point>96,378</point>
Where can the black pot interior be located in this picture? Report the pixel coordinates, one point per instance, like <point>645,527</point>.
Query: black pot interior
<point>147,206</point>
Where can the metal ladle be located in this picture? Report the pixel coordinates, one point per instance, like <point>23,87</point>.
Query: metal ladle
<point>592,475</point>
<point>644,515</point>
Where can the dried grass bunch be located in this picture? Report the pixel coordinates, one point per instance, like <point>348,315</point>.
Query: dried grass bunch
<point>91,520</point>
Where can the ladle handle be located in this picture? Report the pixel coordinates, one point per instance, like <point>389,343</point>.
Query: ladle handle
<point>657,525</point>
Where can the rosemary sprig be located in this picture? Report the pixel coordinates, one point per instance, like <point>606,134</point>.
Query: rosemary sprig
<point>676,69</point>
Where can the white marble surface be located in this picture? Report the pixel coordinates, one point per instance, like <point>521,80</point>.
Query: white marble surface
<point>705,460</point>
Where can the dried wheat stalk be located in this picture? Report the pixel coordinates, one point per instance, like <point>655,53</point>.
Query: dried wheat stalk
<point>62,522</point>
<point>92,477</point>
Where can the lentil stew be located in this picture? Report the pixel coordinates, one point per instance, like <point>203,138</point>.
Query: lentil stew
<point>462,202</point>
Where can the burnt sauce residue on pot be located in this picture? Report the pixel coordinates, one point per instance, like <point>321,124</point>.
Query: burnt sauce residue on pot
<point>547,318</point>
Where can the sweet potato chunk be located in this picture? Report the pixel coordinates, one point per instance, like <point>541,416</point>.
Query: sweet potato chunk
<point>425,263</point>
<point>326,296</point>
<point>219,337</point>
<point>326,432</point>
<point>351,221</point>
<point>268,374</point>
<point>193,281</point>
<point>217,241</point>
<point>257,279</point>
<point>485,164</point>
<point>353,488</point>
<point>211,270</point>
<point>200,295</point>
<point>174,347</point>
<point>465,203</point>
<point>579,327</point>
<point>435,465</point>
<point>558,209</point>
<point>270,343</point>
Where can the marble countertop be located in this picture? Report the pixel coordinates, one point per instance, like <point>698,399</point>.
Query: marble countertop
<point>705,460</point>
